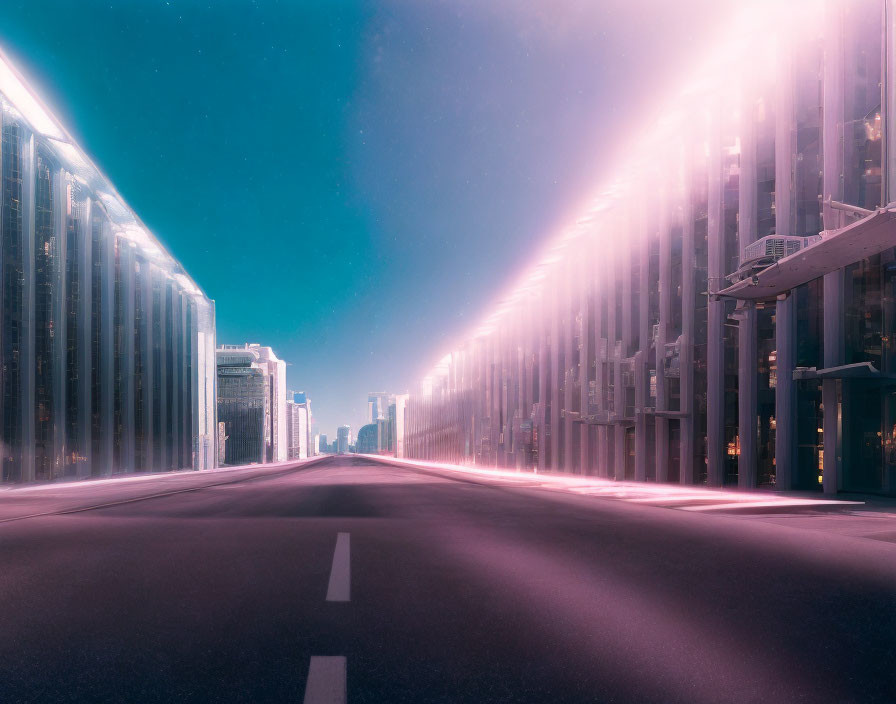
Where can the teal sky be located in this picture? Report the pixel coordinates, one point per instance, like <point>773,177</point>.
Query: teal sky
<point>353,182</point>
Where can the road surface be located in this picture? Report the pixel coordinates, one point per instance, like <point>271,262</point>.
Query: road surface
<point>347,579</point>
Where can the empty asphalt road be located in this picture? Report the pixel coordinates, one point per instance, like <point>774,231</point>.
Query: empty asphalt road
<point>348,579</point>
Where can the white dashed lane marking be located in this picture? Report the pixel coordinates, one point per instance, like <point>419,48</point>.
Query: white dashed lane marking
<point>326,678</point>
<point>339,588</point>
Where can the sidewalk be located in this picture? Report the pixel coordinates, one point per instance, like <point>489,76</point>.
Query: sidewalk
<point>686,498</point>
<point>858,516</point>
<point>19,501</point>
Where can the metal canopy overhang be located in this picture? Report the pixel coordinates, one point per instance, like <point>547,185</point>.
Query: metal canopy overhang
<point>859,371</point>
<point>603,418</point>
<point>838,248</point>
<point>671,414</point>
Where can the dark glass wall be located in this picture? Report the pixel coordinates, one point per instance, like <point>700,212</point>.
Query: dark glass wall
<point>12,282</point>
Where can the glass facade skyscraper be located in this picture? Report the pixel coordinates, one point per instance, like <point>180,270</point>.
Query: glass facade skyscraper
<point>244,404</point>
<point>106,345</point>
<point>724,312</point>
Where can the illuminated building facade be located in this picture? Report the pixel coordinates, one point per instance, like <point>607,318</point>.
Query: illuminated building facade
<point>399,424</point>
<point>343,439</point>
<point>377,403</point>
<point>298,423</point>
<point>724,313</point>
<point>106,345</point>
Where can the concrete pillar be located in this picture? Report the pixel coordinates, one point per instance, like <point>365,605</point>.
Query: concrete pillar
<point>748,346</point>
<point>144,284</point>
<point>888,103</point>
<point>833,282</point>
<point>498,394</point>
<point>556,373</point>
<point>687,454</point>
<point>785,311</point>
<point>661,446</point>
<point>586,351</point>
<point>186,435</point>
<point>618,427</point>
<point>715,347</point>
<point>162,457</point>
<point>613,368</point>
<point>502,341</point>
<point>641,458</point>
<point>641,378</point>
<point>569,372</point>
<point>600,369</point>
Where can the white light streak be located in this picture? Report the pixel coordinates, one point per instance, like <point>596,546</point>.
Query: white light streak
<point>71,154</point>
<point>12,86</point>
<point>746,34</point>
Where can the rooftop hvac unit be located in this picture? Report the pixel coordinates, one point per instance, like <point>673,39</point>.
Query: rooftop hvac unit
<point>775,247</point>
<point>767,250</point>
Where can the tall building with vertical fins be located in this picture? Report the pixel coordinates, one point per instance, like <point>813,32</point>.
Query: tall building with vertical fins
<point>107,347</point>
<point>724,311</point>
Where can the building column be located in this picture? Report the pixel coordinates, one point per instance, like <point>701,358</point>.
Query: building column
<point>748,343</point>
<point>500,335</point>
<point>888,104</point>
<point>600,366</point>
<point>541,417</point>
<point>715,343</point>
<point>162,457</point>
<point>833,283</point>
<point>661,447</point>
<point>186,426</point>
<point>27,345</point>
<point>128,392</point>
<point>556,373</point>
<point>785,307</point>
<point>568,333</point>
<point>687,454</point>
<point>481,400</point>
<point>586,353</point>
<point>493,371</point>
<point>642,389</point>
<point>628,253</point>
<point>106,445</point>
<point>198,423</point>
<point>618,427</point>
<point>149,380</point>
<point>614,370</point>
<point>84,313</point>
<point>60,339</point>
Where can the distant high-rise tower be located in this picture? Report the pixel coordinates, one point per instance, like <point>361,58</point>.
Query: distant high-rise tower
<point>273,371</point>
<point>377,403</point>
<point>398,429</point>
<point>243,398</point>
<point>298,421</point>
<point>343,439</point>
<point>276,432</point>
